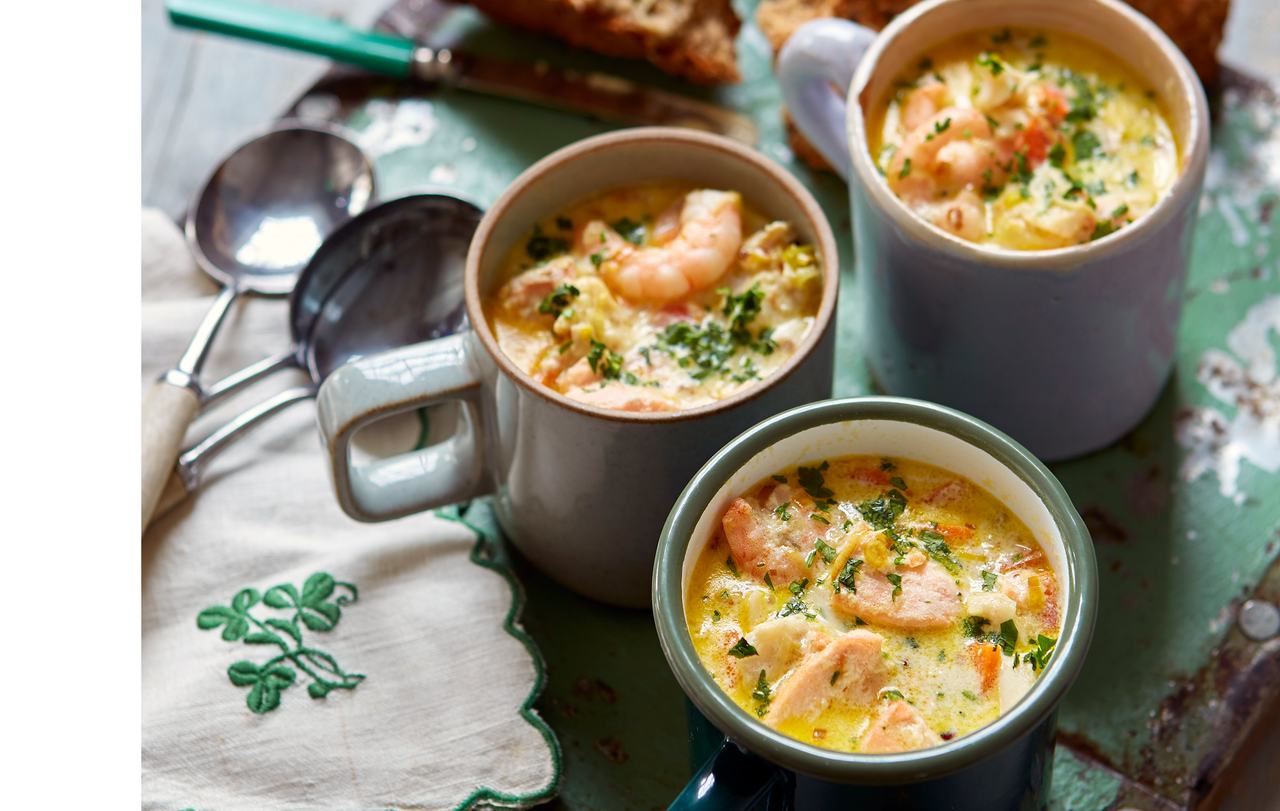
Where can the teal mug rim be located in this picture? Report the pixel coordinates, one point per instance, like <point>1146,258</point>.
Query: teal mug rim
<point>874,769</point>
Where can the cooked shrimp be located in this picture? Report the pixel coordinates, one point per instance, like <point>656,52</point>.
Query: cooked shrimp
<point>950,151</point>
<point>923,104</point>
<point>700,253</point>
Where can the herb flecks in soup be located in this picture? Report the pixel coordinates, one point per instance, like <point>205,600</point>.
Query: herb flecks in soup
<point>1024,140</point>
<point>655,298</point>
<point>873,605</point>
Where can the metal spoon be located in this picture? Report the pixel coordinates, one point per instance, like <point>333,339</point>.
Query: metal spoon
<point>390,277</point>
<point>255,223</point>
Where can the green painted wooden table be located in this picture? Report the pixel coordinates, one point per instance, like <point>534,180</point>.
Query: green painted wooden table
<point>1185,511</point>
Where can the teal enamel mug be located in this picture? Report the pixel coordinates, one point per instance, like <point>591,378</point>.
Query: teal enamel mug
<point>1003,766</point>
<point>1065,349</point>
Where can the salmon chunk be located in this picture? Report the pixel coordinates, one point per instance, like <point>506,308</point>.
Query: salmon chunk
<point>850,669</point>
<point>928,600</point>
<point>781,643</point>
<point>898,728</point>
<point>621,397</point>
<point>522,296</point>
<point>754,539</point>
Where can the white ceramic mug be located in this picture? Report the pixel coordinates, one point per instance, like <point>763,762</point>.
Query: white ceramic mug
<point>1065,350</point>
<point>582,491</point>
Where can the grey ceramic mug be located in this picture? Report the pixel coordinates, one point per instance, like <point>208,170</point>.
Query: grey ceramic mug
<point>1066,350</point>
<point>1004,766</point>
<point>582,491</point>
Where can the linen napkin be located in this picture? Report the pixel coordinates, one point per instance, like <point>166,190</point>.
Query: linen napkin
<point>295,659</point>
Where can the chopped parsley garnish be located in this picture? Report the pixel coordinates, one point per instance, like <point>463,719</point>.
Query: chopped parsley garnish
<point>991,61</point>
<point>817,517</point>
<point>834,676</point>
<point>891,694</point>
<point>991,121</point>
<point>1023,172</point>
<point>1039,657</point>
<point>906,168</point>
<point>847,575</point>
<point>715,615</point>
<point>741,310</point>
<point>942,655</point>
<point>968,695</point>
<point>846,525</point>
<point>782,511</point>
<point>780,479</point>
<point>887,464</point>
<point>768,582</point>
<point>795,605</point>
<point>742,649</point>
<point>707,348</point>
<point>1085,144</point>
<point>808,559</point>
<point>942,126</point>
<point>896,580</point>
<point>762,694</point>
<point>558,300</point>
<point>564,223</point>
<point>1103,228</point>
<point>798,587</point>
<point>604,362</point>
<point>973,626</point>
<point>1120,211</point>
<point>897,482</point>
<point>565,347</point>
<point>859,621</point>
<point>828,553</point>
<point>988,581</point>
<point>812,481</point>
<point>630,230</point>
<point>597,259</point>
<point>1132,179</point>
<point>883,511</point>
<point>1147,140</point>
<point>926,64</point>
<point>1057,155</point>
<point>1008,638</point>
<point>911,640</point>
<point>540,246</point>
<point>733,567</point>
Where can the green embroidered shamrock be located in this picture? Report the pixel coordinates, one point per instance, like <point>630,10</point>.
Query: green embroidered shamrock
<point>313,609</point>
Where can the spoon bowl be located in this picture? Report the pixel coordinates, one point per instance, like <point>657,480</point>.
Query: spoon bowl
<point>266,209</point>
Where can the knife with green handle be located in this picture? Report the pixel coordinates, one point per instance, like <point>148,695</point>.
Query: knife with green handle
<point>595,94</point>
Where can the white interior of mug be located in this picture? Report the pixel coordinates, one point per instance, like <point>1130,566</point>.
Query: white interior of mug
<point>902,440</point>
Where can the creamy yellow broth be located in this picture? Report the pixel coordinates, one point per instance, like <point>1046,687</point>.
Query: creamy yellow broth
<point>655,298</point>
<point>1023,139</point>
<point>873,605</point>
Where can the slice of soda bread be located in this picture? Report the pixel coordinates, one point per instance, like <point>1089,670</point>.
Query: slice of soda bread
<point>689,38</point>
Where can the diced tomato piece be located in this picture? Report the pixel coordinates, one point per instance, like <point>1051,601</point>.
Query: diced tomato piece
<point>1034,142</point>
<point>870,476</point>
<point>987,657</point>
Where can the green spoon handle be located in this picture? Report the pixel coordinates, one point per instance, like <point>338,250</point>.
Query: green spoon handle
<point>380,53</point>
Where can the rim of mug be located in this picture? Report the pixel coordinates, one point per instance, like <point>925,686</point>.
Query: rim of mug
<point>556,161</point>
<point>1195,153</point>
<point>1075,635</point>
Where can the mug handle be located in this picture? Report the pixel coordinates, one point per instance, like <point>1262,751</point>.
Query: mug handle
<point>822,53</point>
<point>389,383</point>
<point>731,780</point>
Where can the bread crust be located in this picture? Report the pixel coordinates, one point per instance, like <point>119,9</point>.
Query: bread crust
<point>689,38</point>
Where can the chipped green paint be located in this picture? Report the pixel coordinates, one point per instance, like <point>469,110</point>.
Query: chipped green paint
<point>1079,786</point>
